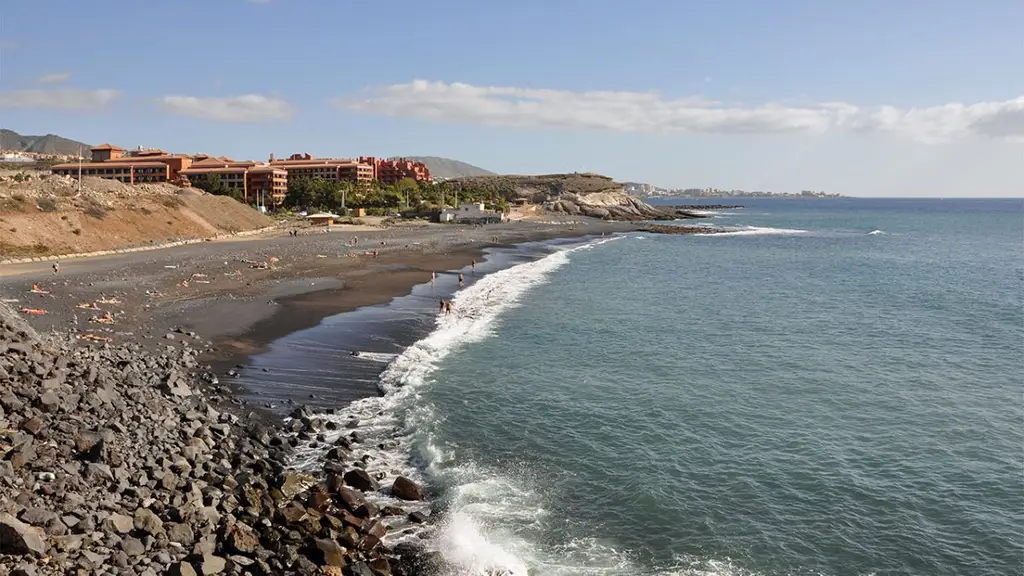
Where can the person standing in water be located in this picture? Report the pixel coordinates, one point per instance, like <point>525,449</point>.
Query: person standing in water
<point>441,310</point>
<point>56,268</point>
<point>447,307</point>
<point>460,279</point>
<point>433,277</point>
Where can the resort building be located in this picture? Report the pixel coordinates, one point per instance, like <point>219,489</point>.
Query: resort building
<point>331,169</point>
<point>256,182</point>
<point>393,170</point>
<point>111,162</point>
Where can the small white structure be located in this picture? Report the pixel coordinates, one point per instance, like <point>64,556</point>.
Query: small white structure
<point>322,219</point>
<point>17,158</point>
<point>471,212</point>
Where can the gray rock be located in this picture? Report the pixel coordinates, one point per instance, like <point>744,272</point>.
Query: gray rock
<point>37,516</point>
<point>181,533</point>
<point>25,570</point>
<point>133,547</point>
<point>329,553</point>
<point>211,564</point>
<point>99,471</point>
<point>19,538</point>
<point>181,569</point>
<point>118,523</point>
<point>146,521</point>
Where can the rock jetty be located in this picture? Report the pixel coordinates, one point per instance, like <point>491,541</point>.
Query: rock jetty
<point>670,229</point>
<point>115,460</point>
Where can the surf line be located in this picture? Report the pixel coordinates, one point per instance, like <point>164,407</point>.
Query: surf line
<point>386,429</point>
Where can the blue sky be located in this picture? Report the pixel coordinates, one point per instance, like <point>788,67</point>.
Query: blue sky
<point>869,98</point>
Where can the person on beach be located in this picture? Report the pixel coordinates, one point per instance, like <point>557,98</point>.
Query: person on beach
<point>448,307</point>
<point>473,264</point>
<point>56,268</point>
<point>460,279</point>
<point>433,277</point>
<point>441,310</point>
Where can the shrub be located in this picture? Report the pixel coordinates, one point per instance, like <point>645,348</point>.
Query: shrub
<point>47,204</point>
<point>95,210</point>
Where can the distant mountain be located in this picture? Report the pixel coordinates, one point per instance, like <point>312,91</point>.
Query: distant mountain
<point>49,144</point>
<point>446,168</point>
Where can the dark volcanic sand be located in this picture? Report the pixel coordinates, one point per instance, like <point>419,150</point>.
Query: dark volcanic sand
<point>241,309</point>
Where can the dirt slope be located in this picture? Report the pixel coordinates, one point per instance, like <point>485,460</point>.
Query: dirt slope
<point>49,216</point>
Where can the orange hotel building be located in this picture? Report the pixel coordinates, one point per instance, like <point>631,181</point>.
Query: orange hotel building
<point>392,170</point>
<point>331,169</point>
<point>112,162</point>
<point>255,180</point>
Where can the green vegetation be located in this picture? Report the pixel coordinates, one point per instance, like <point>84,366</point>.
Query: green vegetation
<point>16,251</point>
<point>95,210</point>
<point>47,204</point>
<point>212,184</point>
<point>407,196</point>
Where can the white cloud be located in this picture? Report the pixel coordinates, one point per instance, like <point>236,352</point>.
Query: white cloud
<point>651,112</point>
<point>247,108</point>
<point>57,78</point>
<point>61,99</point>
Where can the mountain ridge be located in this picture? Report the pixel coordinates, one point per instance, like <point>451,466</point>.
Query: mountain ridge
<point>448,168</point>
<point>46,144</point>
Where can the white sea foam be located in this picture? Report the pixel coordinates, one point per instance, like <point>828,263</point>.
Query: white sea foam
<point>876,232</point>
<point>712,213</point>
<point>382,357</point>
<point>396,432</point>
<point>759,231</point>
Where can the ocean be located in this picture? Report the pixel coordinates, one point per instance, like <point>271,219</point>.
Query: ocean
<point>832,388</point>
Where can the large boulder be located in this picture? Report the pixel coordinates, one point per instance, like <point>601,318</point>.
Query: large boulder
<point>406,489</point>
<point>360,480</point>
<point>19,538</point>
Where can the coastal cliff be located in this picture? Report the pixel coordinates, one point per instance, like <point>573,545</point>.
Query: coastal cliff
<point>574,194</point>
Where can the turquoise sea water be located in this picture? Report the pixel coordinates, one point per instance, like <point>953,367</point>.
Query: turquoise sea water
<point>833,388</point>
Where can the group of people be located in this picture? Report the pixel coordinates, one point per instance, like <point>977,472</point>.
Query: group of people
<point>445,307</point>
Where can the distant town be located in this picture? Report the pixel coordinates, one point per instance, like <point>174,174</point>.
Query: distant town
<point>640,190</point>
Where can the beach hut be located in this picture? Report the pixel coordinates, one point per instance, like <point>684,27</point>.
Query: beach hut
<point>322,218</point>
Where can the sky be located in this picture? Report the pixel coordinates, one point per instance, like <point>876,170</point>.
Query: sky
<point>867,98</point>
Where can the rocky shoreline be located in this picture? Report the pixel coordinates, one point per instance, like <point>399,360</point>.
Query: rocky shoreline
<point>116,460</point>
<point>670,229</point>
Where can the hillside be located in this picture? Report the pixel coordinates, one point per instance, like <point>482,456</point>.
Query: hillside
<point>446,168</point>
<point>46,215</point>
<point>48,144</point>
<point>591,195</point>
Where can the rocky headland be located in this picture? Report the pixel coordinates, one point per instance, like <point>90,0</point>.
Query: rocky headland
<point>120,460</point>
<point>578,194</point>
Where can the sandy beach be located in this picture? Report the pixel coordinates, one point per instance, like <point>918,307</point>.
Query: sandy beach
<point>232,297</point>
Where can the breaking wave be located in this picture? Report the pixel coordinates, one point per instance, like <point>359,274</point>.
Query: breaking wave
<point>759,231</point>
<point>396,433</point>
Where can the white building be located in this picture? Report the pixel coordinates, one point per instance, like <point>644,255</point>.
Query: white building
<point>471,212</point>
